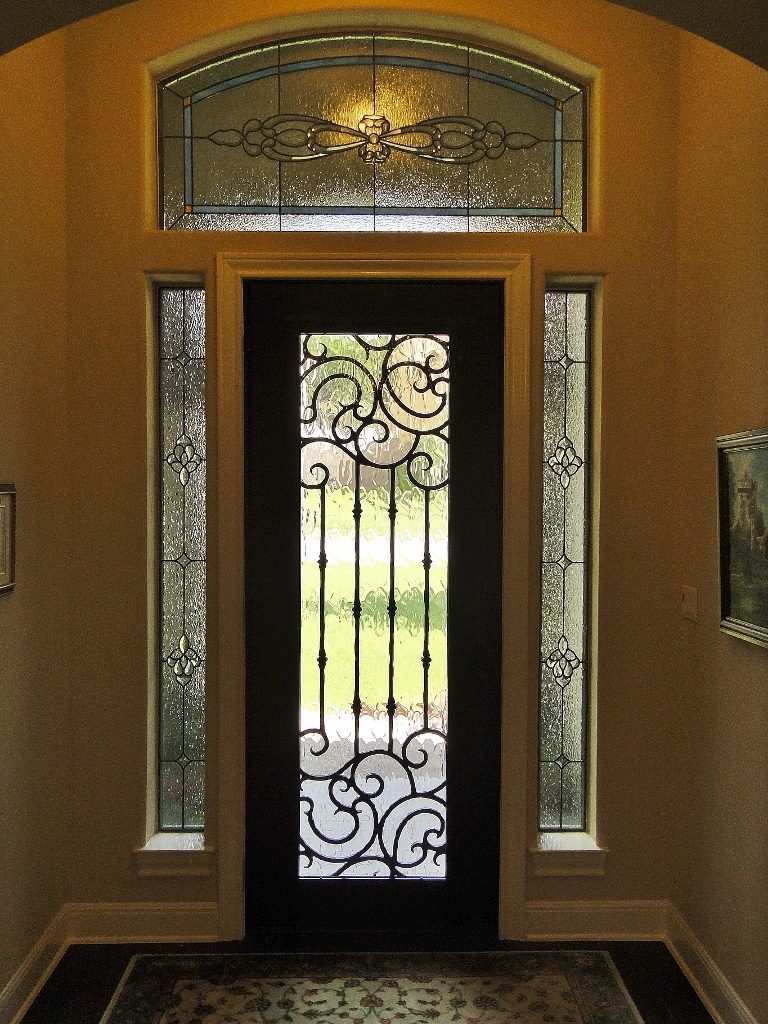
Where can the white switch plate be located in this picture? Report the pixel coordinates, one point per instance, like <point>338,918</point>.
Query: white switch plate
<point>689,602</point>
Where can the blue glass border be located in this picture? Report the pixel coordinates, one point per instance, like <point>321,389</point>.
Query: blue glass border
<point>364,60</point>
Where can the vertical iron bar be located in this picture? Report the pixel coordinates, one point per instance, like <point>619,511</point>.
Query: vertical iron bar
<point>322,562</point>
<point>426,657</point>
<point>392,606</point>
<point>356,608</point>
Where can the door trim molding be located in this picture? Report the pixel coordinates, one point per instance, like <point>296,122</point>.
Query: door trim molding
<point>226,685</point>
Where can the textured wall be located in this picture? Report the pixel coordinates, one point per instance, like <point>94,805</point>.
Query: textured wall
<point>112,241</point>
<point>656,735</point>
<point>34,453</point>
<point>719,684</point>
<point>739,25</point>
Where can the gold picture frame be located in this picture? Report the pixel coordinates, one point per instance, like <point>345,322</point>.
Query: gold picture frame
<point>7,537</point>
<point>743,486</point>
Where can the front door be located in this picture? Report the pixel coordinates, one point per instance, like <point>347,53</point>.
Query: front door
<point>373,439</point>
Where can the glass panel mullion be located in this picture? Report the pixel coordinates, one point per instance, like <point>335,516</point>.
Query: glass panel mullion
<point>563,653</point>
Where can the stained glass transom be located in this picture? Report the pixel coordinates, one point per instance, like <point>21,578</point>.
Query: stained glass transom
<point>562,693</point>
<point>182,554</point>
<point>371,133</point>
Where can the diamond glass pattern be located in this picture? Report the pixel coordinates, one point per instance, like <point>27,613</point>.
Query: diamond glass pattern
<point>562,695</point>
<point>182,555</point>
<point>375,129</point>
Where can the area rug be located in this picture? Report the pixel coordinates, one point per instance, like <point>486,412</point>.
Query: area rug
<point>557,987</point>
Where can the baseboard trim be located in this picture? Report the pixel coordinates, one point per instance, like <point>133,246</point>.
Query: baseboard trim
<point>143,922</point>
<point>713,988</point>
<point>545,920</point>
<point>34,971</point>
<point>563,920</point>
<point>103,922</point>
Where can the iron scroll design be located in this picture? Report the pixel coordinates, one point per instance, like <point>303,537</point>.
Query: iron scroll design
<point>375,415</point>
<point>451,139</point>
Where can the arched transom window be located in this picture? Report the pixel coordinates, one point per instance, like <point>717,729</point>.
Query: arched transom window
<point>370,133</point>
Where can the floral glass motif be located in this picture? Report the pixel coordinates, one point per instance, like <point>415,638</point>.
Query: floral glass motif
<point>371,133</point>
<point>182,554</point>
<point>562,693</point>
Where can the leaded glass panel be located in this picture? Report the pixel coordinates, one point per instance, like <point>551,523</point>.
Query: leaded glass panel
<point>563,653</point>
<point>371,132</point>
<point>181,742</point>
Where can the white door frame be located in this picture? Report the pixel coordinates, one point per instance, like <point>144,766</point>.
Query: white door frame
<point>225,698</point>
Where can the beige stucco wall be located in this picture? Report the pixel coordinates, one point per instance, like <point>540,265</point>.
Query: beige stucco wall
<point>34,454</point>
<point>718,684</point>
<point>109,249</point>
<point>663,752</point>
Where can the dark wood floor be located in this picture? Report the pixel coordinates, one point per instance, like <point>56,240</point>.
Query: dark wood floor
<point>81,986</point>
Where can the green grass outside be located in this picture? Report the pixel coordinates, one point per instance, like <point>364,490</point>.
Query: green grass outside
<point>374,590</point>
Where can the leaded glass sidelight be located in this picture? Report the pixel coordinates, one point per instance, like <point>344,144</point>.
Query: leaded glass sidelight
<point>181,737</point>
<point>374,543</point>
<point>371,133</point>
<point>563,693</point>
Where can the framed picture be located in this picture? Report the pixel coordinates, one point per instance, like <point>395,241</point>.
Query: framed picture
<point>743,485</point>
<point>7,536</point>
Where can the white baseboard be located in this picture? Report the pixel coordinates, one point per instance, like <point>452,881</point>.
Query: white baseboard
<point>143,922</point>
<point>103,922</point>
<point>713,988</point>
<point>34,971</point>
<point>563,920</point>
<point>546,920</point>
<point>596,920</point>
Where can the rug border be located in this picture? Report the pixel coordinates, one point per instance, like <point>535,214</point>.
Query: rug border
<point>104,1019</point>
<point>623,988</point>
<point>603,953</point>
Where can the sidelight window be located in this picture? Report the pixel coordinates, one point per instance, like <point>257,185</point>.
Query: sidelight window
<point>565,557</point>
<point>182,458</point>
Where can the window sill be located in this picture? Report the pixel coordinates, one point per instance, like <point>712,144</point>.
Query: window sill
<point>175,855</point>
<point>563,854</point>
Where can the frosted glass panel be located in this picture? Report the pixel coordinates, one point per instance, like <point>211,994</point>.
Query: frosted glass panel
<point>350,126</point>
<point>374,584</point>
<point>182,452</point>
<point>562,690</point>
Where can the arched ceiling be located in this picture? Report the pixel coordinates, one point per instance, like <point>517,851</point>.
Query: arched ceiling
<point>739,25</point>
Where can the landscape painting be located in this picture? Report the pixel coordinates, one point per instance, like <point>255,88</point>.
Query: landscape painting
<point>743,478</point>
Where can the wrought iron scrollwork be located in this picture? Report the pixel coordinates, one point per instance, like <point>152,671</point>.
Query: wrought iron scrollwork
<point>374,415</point>
<point>375,812</point>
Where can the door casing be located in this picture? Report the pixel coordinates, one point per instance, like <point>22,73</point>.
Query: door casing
<point>226,681</point>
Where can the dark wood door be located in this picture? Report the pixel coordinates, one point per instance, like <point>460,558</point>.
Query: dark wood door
<point>395,686</point>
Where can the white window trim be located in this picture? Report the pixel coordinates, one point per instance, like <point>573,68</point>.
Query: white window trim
<point>175,855</point>
<point>566,854</point>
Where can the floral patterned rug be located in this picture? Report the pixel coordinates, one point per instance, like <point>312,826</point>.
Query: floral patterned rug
<point>557,987</point>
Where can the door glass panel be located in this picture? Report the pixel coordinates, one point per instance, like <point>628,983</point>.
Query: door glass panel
<point>374,577</point>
